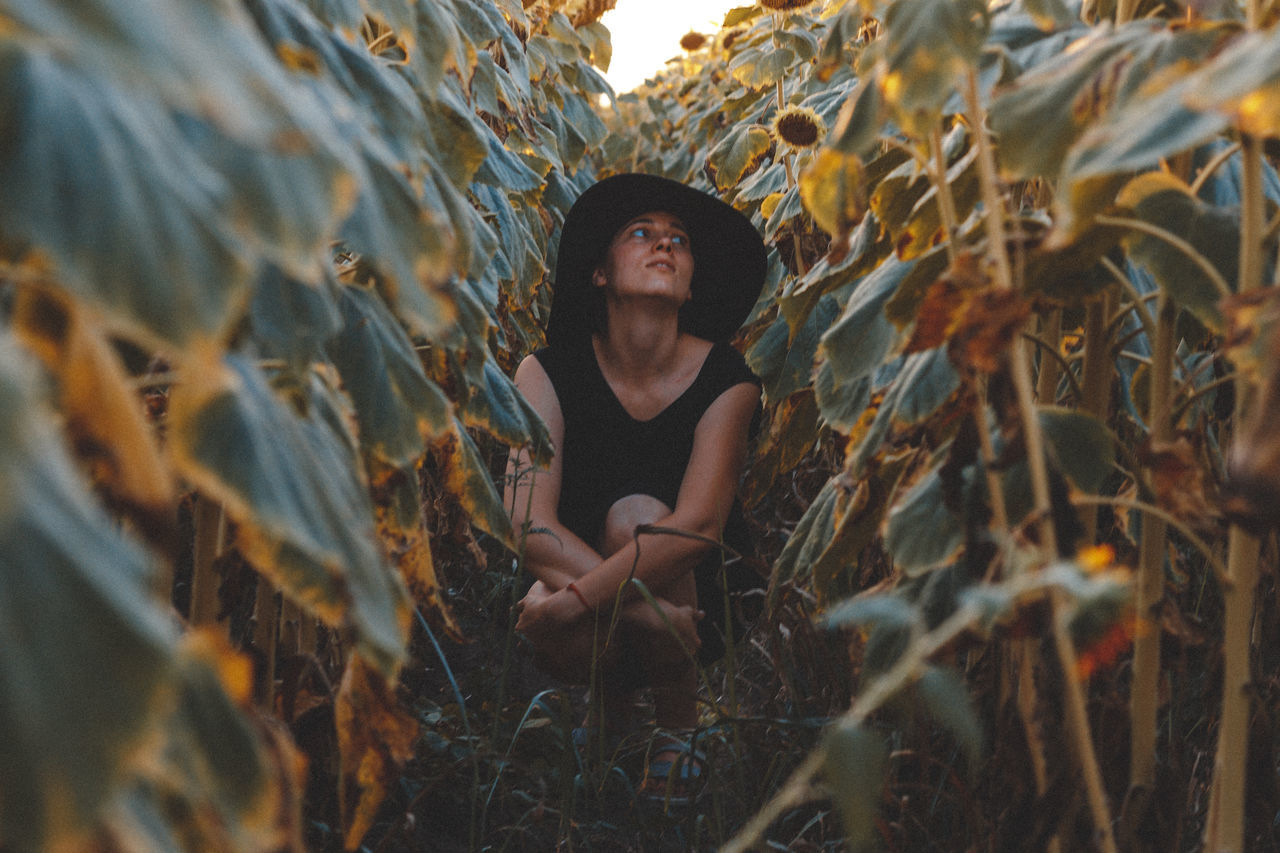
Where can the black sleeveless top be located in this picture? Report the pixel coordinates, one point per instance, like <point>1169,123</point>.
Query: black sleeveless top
<point>607,454</point>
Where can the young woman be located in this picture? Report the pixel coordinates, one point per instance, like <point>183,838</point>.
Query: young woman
<point>649,410</point>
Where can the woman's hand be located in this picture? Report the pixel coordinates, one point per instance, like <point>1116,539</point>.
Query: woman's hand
<point>542,611</point>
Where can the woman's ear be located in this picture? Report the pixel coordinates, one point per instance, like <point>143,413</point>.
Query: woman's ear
<point>598,278</point>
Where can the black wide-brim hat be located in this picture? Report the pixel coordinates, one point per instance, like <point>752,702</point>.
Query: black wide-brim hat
<point>729,256</point>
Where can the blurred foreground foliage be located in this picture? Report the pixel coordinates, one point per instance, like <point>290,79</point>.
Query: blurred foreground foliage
<point>1015,322</point>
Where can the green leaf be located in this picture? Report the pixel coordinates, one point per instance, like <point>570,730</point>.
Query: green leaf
<point>398,407</point>
<point>1047,109</point>
<point>922,533</point>
<point>134,228</point>
<point>78,630</point>
<point>1171,112</point>
<point>292,319</point>
<point>500,410</point>
<point>218,70</point>
<point>1083,448</point>
<point>862,338</point>
<point>840,403</point>
<point>758,68</point>
<point>858,127</point>
<point>810,537</point>
<point>738,154</point>
<point>783,364</point>
<point>291,478</point>
<point>865,610</point>
<point>409,246</point>
<point>946,698</point>
<point>853,763</point>
<point>1213,232</point>
<point>928,44</point>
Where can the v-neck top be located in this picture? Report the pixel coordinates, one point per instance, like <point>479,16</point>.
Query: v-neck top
<point>607,454</point>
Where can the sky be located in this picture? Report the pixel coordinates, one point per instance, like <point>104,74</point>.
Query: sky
<point>646,33</point>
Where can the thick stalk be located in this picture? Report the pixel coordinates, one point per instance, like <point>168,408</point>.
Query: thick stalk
<point>1095,382</point>
<point>265,618</point>
<point>1126,10</point>
<point>1050,368</point>
<point>1224,828</point>
<point>946,202</point>
<point>210,541</point>
<point>1149,588</point>
<point>1020,367</point>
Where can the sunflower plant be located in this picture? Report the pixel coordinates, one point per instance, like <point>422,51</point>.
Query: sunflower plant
<point>1001,286</point>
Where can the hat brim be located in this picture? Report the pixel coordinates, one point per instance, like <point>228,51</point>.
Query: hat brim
<point>729,256</point>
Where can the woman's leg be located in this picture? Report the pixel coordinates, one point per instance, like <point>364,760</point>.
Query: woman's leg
<point>665,660</point>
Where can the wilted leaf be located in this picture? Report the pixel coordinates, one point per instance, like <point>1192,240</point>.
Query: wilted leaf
<point>78,630</point>
<point>924,229</point>
<point>944,303</point>
<point>1177,477</point>
<point>833,191</point>
<point>992,321</point>
<point>409,548</point>
<point>103,412</point>
<point>857,515</point>
<point>293,483</point>
<point>738,154</point>
<point>853,763</point>
<point>375,739</point>
<point>812,534</point>
<point>468,479</point>
<point>793,431</point>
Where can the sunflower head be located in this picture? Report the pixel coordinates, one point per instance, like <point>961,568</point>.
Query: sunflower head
<point>786,5</point>
<point>691,41</point>
<point>799,127</point>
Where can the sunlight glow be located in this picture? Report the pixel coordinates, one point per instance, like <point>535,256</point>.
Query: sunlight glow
<point>646,33</point>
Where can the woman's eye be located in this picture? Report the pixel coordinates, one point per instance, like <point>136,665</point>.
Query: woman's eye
<point>641,232</point>
<point>680,239</point>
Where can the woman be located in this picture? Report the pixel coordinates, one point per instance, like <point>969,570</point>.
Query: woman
<point>649,410</point>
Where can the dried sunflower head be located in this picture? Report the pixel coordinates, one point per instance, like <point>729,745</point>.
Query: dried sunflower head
<point>799,127</point>
<point>691,41</point>
<point>786,5</point>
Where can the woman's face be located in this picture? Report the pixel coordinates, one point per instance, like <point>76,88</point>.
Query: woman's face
<point>649,256</point>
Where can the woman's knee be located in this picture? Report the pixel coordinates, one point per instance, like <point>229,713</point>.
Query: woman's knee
<point>625,516</point>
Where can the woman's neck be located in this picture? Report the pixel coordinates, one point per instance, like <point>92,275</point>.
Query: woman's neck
<point>640,346</point>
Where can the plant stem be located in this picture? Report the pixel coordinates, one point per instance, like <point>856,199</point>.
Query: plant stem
<point>946,202</point>
<point>1095,381</point>
<point>1149,589</point>
<point>1050,367</point>
<point>1224,827</point>
<point>1077,718</point>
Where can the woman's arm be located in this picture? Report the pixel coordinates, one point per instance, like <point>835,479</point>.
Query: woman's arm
<point>552,553</point>
<point>706,495</point>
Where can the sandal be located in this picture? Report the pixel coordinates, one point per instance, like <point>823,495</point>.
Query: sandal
<point>673,779</point>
